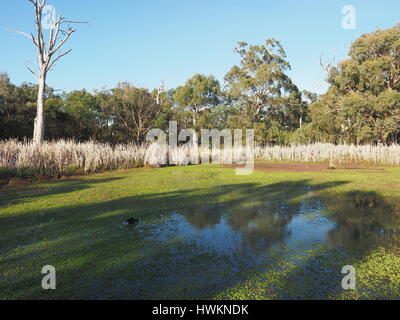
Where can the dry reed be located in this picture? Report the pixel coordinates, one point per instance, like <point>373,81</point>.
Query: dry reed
<point>54,158</point>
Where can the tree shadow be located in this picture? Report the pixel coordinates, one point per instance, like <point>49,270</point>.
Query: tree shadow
<point>18,195</point>
<point>363,222</point>
<point>219,239</point>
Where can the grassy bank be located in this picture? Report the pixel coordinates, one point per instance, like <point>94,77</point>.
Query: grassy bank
<point>77,226</point>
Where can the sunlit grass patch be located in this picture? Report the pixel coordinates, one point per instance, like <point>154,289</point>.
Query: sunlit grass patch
<point>232,245</point>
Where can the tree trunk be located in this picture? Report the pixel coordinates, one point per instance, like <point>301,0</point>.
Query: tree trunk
<point>46,58</point>
<point>38,132</point>
<point>195,139</point>
<point>194,119</point>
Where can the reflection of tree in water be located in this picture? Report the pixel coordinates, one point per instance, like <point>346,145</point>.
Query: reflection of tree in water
<point>262,215</point>
<point>262,222</point>
<point>363,221</point>
<point>203,216</point>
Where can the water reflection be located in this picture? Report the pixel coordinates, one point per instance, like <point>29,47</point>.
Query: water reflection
<point>363,220</point>
<point>296,220</point>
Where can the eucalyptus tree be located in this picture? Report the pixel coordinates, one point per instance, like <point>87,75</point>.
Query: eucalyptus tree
<point>84,109</point>
<point>135,110</point>
<point>261,88</point>
<point>199,94</point>
<point>15,108</point>
<point>362,104</point>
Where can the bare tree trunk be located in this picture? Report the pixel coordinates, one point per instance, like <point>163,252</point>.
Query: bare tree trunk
<point>38,131</point>
<point>47,55</point>
<point>195,137</point>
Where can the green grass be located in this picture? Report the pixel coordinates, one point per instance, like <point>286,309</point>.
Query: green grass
<point>76,226</point>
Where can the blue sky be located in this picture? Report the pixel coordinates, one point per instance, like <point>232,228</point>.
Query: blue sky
<point>144,41</point>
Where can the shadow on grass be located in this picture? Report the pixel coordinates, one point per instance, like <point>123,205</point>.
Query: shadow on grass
<point>96,257</point>
<point>18,195</point>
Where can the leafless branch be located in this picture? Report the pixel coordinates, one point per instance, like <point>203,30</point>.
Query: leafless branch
<point>51,65</point>
<point>160,91</point>
<point>47,56</point>
<point>327,66</point>
<point>33,72</point>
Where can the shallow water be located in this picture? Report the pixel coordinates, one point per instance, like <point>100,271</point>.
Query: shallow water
<point>215,246</point>
<point>251,227</point>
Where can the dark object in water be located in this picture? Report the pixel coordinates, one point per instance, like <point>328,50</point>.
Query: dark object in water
<point>131,221</point>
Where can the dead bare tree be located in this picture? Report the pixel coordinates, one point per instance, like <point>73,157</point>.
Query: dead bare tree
<point>47,54</point>
<point>327,66</point>
<point>159,92</point>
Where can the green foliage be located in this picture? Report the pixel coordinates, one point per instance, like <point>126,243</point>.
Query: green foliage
<point>361,106</point>
<point>304,135</point>
<point>134,110</point>
<point>82,106</point>
<point>198,95</point>
<point>263,92</point>
<point>363,103</point>
<point>17,109</point>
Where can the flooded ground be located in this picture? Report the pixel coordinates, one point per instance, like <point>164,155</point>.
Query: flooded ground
<point>267,236</point>
<point>228,243</point>
<point>256,225</point>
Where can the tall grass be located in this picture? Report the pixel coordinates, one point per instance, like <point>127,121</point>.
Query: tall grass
<point>324,152</point>
<point>59,157</point>
<point>54,158</point>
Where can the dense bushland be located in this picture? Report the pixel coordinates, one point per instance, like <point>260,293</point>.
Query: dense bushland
<point>358,119</point>
<point>362,105</point>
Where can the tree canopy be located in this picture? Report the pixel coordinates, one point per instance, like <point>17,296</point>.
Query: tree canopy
<point>362,104</point>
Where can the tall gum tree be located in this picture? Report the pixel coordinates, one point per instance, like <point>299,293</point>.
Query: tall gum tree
<point>200,93</point>
<point>260,86</point>
<point>362,104</point>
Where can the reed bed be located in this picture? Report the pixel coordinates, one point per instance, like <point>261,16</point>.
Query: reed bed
<point>325,152</point>
<point>54,158</point>
<point>59,157</point>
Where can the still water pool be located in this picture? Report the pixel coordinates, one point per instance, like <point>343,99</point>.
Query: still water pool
<point>216,246</point>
